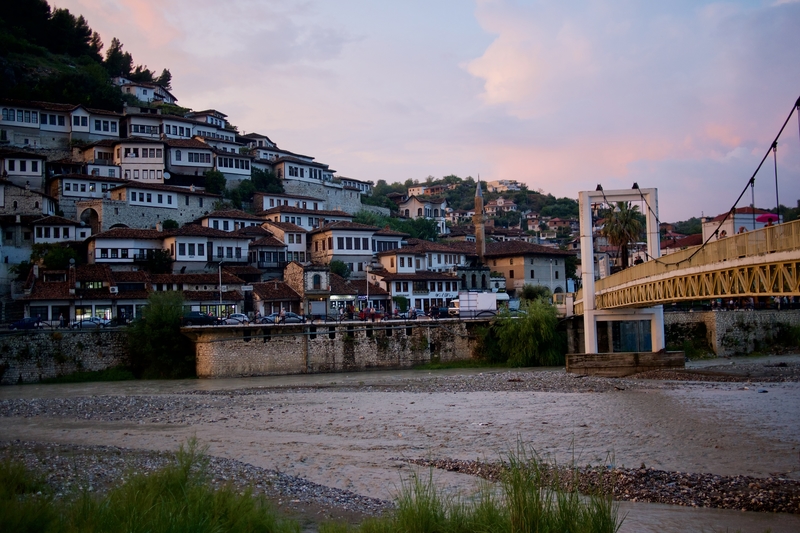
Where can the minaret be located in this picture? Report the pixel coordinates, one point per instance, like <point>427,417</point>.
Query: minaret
<point>477,221</point>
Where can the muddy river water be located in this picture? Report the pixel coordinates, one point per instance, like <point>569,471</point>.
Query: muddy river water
<point>343,430</point>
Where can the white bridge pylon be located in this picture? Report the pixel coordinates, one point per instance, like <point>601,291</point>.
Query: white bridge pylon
<point>591,315</point>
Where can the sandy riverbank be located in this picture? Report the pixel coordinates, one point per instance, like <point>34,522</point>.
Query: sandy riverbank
<point>340,431</point>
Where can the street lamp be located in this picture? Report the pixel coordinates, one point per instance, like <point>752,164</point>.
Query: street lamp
<point>219,268</point>
<point>372,263</point>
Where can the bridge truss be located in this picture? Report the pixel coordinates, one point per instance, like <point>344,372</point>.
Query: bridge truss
<point>764,262</point>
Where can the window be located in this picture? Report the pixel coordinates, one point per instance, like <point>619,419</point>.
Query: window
<point>220,253</point>
<point>556,274</point>
<point>39,233</point>
<point>46,233</point>
<point>113,127</point>
<point>182,248</point>
<point>12,164</point>
<point>149,197</point>
<point>161,198</point>
<point>299,238</point>
<point>340,243</point>
<point>229,252</point>
<point>225,225</point>
<point>191,248</point>
<point>97,125</point>
<point>169,199</point>
<point>511,274</point>
<point>56,233</point>
<point>418,266</point>
<point>66,233</point>
<point>201,249</point>
<point>178,154</point>
<point>402,262</point>
<point>215,224</point>
<point>200,201</point>
<point>532,274</point>
<point>23,166</point>
<point>114,253</point>
<point>103,253</point>
<point>238,253</point>
<point>85,122</point>
<point>291,238</point>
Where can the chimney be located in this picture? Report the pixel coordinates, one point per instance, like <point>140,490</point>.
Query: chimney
<point>159,226</point>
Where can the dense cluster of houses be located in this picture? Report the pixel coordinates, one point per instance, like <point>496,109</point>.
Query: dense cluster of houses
<point>127,192</point>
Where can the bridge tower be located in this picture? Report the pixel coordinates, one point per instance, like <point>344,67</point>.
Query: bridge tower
<point>591,315</point>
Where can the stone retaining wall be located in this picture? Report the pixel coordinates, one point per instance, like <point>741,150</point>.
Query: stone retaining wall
<point>303,348</point>
<point>730,332</point>
<point>30,356</point>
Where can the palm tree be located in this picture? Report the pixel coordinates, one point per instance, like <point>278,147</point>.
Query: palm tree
<point>623,226</point>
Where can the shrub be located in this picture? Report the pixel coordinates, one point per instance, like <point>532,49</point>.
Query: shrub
<point>531,338</point>
<point>157,347</point>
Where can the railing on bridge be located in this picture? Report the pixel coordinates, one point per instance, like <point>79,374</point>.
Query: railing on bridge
<point>715,254</point>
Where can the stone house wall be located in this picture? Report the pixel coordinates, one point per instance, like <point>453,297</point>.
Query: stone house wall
<point>30,356</point>
<point>304,348</point>
<point>731,332</point>
<point>111,212</point>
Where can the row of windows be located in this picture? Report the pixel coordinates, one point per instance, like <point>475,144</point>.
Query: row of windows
<point>145,174</point>
<point>148,197</point>
<point>147,153</point>
<point>228,252</point>
<point>312,221</point>
<point>295,238</point>
<point>11,165</point>
<point>11,115</point>
<point>201,249</point>
<point>297,203</point>
<point>44,232</point>
<point>54,120</point>
<point>352,243</point>
<point>84,187</point>
<point>213,135</point>
<point>230,162</point>
<point>226,225</point>
<point>80,121</point>
<point>422,286</point>
<point>105,125</point>
<point>141,128</point>
<point>199,157</point>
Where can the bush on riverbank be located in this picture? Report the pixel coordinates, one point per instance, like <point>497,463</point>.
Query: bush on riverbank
<point>529,337</point>
<point>528,498</point>
<point>176,498</point>
<point>157,347</point>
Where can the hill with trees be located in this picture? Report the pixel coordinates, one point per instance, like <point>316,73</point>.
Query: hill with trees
<point>51,55</point>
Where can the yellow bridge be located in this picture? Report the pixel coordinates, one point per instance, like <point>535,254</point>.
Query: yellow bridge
<point>765,262</point>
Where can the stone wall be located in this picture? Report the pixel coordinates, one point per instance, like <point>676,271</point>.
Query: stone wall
<point>113,212</point>
<point>30,356</point>
<point>730,332</point>
<point>334,195</point>
<point>304,348</point>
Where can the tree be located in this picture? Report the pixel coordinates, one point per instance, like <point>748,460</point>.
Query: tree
<point>156,346</point>
<point>623,226</point>
<point>340,268</point>
<point>53,256</point>
<point>117,63</point>
<point>535,292</point>
<point>165,79</point>
<point>530,339</point>
<point>215,182</point>
<point>171,224</point>
<point>158,262</point>
<point>266,181</point>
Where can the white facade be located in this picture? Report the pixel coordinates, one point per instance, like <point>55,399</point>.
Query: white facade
<point>140,160</point>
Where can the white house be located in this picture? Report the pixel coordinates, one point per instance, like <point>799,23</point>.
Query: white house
<point>123,248</point>
<point>229,220</point>
<point>55,229</point>
<point>22,168</point>
<point>140,159</point>
<point>348,242</point>
<point>431,209</point>
<point>742,220</point>
<point>293,237</point>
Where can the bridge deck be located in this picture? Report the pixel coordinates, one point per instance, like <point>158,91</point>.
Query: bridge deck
<point>765,262</point>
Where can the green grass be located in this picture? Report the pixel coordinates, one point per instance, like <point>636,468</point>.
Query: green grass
<point>175,499</point>
<point>529,498</point>
<point>116,373</point>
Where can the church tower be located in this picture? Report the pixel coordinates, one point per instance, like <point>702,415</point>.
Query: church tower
<point>477,221</point>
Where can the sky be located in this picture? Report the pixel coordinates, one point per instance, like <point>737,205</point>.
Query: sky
<point>685,96</point>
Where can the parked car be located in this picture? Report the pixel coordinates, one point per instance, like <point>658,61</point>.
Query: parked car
<point>289,318</point>
<point>197,318</point>
<point>412,314</point>
<point>87,323</point>
<point>365,315</point>
<point>27,323</point>
<point>236,319</point>
<point>437,312</point>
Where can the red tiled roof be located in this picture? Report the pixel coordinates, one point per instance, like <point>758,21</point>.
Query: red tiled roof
<point>167,188</point>
<point>339,285</point>
<point>268,241</point>
<point>689,240</point>
<point>252,231</point>
<point>500,249</point>
<point>740,211</point>
<point>242,270</point>
<point>187,143</point>
<point>232,213</point>
<point>130,276</point>
<point>11,152</point>
<point>129,233</point>
<point>361,286</point>
<point>197,279</point>
<point>389,232</point>
<point>297,210</point>
<point>286,226</point>
<point>196,230</point>
<point>92,273</point>
<point>274,290</point>
<point>55,221</point>
<point>87,177</point>
<point>345,225</point>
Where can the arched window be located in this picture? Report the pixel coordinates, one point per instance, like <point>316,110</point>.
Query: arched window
<point>436,213</point>
<point>474,281</point>
<point>464,281</point>
<point>407,213</point>
<point>177,155</point>
<point>483,281</point>
<point>36,205</point>
<point>317,282</point>
<point>419,212</point>
<point>15,204</point>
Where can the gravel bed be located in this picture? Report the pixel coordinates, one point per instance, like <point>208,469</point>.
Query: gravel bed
<point>784,372</point>
<point>743,493</point>
<point>509,381</point>
<point>69,469</point>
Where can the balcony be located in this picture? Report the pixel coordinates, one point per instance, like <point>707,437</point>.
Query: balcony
<point>271,264</point>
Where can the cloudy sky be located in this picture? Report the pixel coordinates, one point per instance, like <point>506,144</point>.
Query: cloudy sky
<point>684,95</point>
